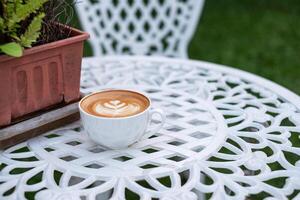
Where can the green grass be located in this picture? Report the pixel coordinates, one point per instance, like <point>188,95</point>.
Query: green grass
<point>259,36</point>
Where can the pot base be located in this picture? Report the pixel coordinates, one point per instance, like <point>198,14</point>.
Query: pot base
<point>38,123</point>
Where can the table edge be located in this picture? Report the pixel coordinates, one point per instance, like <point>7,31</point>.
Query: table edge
<point>261,81</point>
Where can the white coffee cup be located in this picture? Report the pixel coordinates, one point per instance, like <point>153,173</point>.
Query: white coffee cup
<point>120,132</point>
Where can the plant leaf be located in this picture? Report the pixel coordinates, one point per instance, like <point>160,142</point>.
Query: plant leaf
<point>12,49</point>
<point>25,10</point>
<point>33,31</point>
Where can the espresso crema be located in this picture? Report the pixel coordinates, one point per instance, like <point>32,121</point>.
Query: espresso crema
<point>115,103</point>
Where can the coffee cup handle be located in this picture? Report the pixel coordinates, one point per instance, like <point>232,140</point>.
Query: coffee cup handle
<point>154,130</point>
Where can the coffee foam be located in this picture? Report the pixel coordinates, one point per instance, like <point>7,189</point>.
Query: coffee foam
<point>115,103</point>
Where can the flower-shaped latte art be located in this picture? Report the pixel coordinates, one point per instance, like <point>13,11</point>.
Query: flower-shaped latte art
<point>116,108</point>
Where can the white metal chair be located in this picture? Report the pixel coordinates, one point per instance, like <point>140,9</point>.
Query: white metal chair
<point>140,27</point>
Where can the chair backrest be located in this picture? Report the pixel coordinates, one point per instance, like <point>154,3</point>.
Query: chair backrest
<point>140,27</point>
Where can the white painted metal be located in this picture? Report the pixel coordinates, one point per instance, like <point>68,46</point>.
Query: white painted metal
<point>238,154</point>
<point>140,27</point>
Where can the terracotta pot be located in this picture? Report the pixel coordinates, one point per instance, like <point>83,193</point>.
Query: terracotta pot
<point>45,75</point>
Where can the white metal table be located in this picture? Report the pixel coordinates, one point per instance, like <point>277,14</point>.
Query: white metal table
<point>229,135</point>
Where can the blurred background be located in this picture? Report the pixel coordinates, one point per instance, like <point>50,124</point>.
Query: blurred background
<point>259,36</point>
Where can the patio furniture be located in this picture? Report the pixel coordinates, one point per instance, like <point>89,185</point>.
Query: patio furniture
<point>238,131</point>
<point>159,27</point>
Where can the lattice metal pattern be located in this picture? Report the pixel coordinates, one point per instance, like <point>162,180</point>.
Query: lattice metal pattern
<point>190,134</point>
<point>140,27</point>
<point>258,156</point>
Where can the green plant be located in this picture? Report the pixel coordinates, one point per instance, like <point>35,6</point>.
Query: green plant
<point>20,24</point>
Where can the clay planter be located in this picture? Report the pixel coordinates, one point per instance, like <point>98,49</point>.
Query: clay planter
<point>44,76</point>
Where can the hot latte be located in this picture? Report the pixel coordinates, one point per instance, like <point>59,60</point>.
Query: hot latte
<point>115,103</point>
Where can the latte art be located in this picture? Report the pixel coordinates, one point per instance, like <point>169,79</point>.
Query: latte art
<point>115,103</point>
<point>116,108</point>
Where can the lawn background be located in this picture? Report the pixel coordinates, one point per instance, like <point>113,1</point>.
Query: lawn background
<point>259,36</point>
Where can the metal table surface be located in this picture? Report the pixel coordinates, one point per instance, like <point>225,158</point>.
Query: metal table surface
<point>229,135</point>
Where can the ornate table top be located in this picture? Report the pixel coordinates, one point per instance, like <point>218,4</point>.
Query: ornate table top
<point>229,134</point>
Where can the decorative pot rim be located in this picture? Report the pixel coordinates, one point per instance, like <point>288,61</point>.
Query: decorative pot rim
<point>75,36</point>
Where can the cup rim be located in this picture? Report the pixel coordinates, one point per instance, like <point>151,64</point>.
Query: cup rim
<point>115,118</point>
